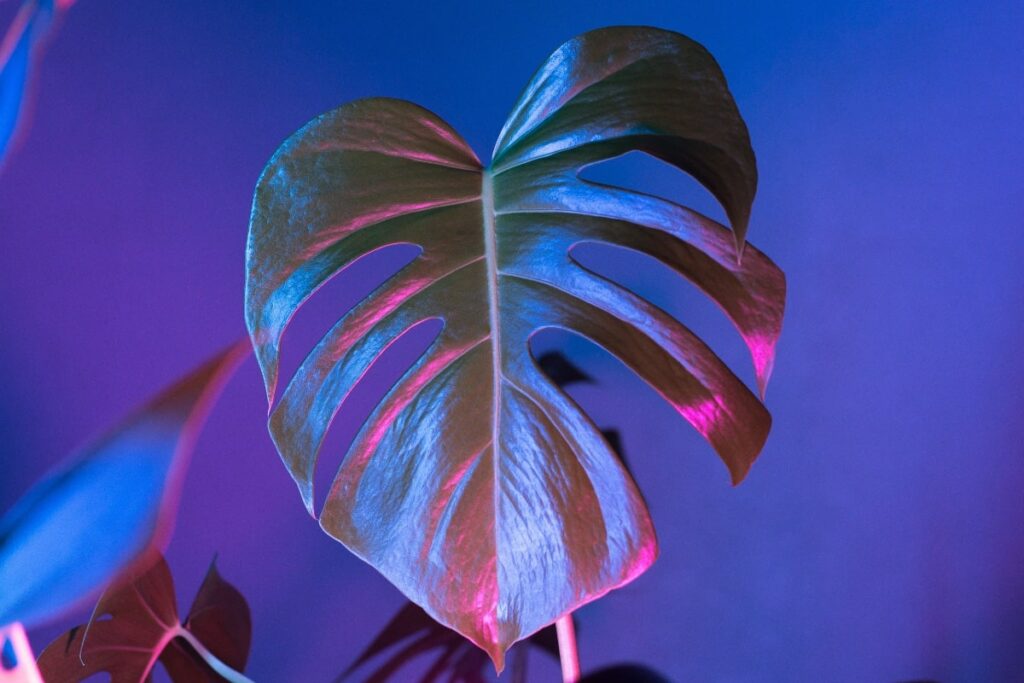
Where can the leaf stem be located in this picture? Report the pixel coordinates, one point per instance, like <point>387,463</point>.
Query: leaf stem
<point>225,671</point>
<point>567,652</point>
<point>18,665</point>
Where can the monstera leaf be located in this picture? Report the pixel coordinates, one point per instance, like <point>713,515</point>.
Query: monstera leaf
<point>107,508</point>
<point>477,486</point>
<point>143,627</point>
<point>563,373</point>
<point>412,633</point>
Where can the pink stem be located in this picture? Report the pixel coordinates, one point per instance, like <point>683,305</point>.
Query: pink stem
<point>18,654</point>
<point>567,652</point>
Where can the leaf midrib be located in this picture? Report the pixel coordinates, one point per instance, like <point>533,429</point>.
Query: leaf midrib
<point>491,259</point>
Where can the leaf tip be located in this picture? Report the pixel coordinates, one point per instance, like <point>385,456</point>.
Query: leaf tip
<point>211,572</point>
<point>265,350</point>
<point>763,370</point>
<point>306,491</point>
<point>737,476</point>
<point>497,655</point>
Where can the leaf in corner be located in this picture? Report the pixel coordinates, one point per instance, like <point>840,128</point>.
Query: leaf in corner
<point>109,506</point>
<point>143,628</point>
<point>19,47</point>
<point>477,486</point>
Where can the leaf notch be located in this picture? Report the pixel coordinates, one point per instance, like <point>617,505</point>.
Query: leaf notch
<point>477,486</point>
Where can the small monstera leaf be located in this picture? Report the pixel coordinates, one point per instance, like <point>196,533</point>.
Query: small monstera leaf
<point>477,486</point>
<point>143,628</point>
<point>107,508</point>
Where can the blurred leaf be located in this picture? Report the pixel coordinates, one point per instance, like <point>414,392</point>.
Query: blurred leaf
<point>143,628</point>
<point>220,619</point>
<point>93,517</point>
<point>29,29</point>
<point>412,633</point>
<point>478,487</point>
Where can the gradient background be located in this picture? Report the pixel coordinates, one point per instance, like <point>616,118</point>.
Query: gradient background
<point>881,535</point>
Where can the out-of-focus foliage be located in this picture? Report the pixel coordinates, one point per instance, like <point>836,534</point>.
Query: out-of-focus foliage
<point>477,486</point>
<point>20,45</point>
<point>412,633</point>
<point>108,507</point>
<point>143,628</point>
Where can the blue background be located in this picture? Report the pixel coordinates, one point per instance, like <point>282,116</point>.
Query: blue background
<point>881,535</point>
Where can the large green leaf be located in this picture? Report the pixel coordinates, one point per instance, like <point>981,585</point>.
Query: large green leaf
<point>477,486</point>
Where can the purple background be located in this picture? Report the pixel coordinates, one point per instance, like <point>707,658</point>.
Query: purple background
<point>881,535</point>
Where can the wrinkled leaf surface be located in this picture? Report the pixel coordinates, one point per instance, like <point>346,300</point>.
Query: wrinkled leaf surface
<point>477,486</point>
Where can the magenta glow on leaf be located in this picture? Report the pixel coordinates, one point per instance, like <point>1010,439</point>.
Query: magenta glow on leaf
<point>477,486</point>
<point>142,628</point>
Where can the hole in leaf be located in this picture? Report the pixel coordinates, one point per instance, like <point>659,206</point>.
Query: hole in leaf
<point>641,172</point>
<point>564,373</point>
<point>561,354</point>
<point>336,297</point>
<point>624,407</point>
<point>659,284</point>
<point>385,371</point>
<point>560,369</point>
<point>160,675</point>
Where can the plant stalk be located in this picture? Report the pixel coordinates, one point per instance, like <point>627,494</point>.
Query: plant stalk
<point>225,671</point>
<point>567,652</point>
<point>18,664</point>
